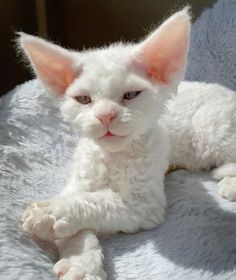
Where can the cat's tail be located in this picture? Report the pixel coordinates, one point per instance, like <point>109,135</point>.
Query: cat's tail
<point>225,170</point>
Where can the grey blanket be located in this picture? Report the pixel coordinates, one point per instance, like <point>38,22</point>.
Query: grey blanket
<point>197,239</point>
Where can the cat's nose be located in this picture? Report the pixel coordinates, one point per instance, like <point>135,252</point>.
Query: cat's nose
<point>106,118</point>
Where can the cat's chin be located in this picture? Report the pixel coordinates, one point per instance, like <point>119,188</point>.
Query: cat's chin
<point>114,144</point>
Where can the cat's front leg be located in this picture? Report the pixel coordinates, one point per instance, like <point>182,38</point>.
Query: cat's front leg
<point>102,211</point>
<point>81,257</point>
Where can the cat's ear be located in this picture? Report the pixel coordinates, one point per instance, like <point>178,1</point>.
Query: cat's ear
<point>163,55</point>
<point>53,64</point>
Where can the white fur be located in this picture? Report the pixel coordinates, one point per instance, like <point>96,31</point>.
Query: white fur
<point>117,182</point>
<point>201,125</point>
<point>106,81</point>
<point>227,169</point>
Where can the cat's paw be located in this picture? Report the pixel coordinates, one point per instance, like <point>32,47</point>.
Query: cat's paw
<point>227,188</point>
<point>74,268</point>
<point>46,220</point>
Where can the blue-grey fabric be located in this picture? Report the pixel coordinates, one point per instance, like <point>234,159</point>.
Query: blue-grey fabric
<point>197,239</point>
<point>212,56</point>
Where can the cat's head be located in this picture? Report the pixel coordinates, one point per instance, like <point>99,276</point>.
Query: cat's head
<point>114,94</point>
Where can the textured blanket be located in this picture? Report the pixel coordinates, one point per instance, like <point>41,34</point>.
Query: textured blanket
<point>197,239</point>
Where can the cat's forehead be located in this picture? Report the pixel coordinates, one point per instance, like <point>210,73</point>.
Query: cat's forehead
<point>114,57</point>
<point>106,70</point>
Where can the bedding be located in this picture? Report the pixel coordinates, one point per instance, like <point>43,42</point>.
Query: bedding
<point>197,239</point>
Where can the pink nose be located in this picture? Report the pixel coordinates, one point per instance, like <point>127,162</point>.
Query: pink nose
<point>107,117</point>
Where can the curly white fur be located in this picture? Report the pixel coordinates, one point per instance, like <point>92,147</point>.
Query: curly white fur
<point>201,125</point>
<point>120,161</point>
<point>117,182</point>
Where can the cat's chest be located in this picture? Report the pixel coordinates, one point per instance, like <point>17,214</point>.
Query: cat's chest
<point>141,166</point>
<point>116,171</point>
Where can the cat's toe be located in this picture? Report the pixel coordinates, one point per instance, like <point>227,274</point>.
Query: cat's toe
<point>43,227</point>
<point>61,229</point>
<point>25,216</point>
<point>74,268</point>
<point>65,269</point>
<point>61,267</point>
<point>28,219</point>
<point>27,224</point>
<point>227,188</point>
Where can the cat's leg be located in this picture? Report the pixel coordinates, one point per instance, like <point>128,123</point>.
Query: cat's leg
<point>227,184</point>
<point>102,211</point>
<point>80,258</point>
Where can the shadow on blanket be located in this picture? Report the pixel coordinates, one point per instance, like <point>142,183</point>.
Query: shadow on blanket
<point>198,233</point>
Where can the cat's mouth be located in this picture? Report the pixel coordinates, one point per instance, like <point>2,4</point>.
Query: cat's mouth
<point>113,142</point>
<point>110,135</point>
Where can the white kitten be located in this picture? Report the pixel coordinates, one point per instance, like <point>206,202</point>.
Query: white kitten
<point>113,97</point>
<point>201,125</point>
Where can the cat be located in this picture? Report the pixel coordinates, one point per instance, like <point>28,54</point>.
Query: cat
<point>201,124</point>
<point>113,97</point>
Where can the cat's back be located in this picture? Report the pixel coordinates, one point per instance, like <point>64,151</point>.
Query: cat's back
<point>192,95</point>
<point>199,120</point>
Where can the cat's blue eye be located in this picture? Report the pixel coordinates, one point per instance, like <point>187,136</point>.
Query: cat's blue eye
<point>83,99</point>
<point>131,94</point>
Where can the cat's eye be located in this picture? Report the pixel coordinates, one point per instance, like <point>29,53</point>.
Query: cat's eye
<point>83,99</point>
<point>131,94</point>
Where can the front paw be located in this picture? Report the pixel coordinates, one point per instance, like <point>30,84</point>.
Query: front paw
<point>227,188</point>
<point>78,268</point>
<point>47,220</point>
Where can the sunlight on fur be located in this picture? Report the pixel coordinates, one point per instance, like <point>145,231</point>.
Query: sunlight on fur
<point>120,100</point>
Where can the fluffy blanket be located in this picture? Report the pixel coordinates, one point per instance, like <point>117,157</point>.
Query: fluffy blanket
<point>197,239</point>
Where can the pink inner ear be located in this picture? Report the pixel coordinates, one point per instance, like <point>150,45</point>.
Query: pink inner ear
<point>54,68</point>
<point>58,77</point>
<point>163,55</point>
<point>162,65</point>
